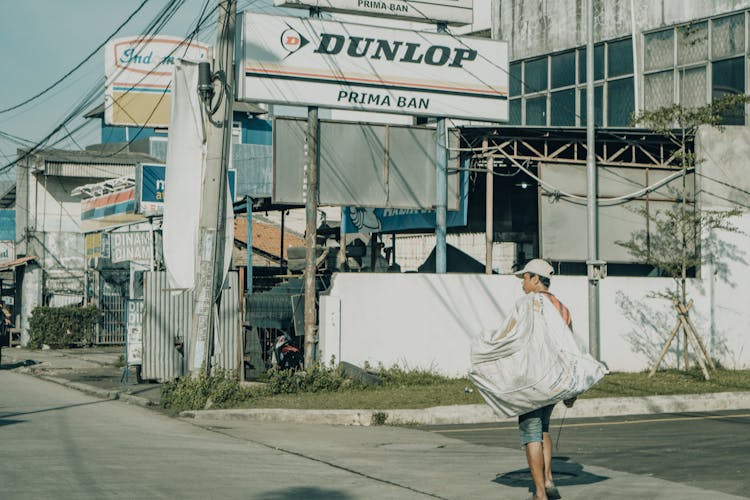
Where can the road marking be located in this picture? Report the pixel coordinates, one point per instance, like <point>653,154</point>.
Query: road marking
<point>593,424</point>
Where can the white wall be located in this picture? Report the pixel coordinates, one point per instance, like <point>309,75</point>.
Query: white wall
<point>542,26</point>
<point>428,320</point>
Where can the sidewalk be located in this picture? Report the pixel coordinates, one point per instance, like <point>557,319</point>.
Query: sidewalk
<point>94,372</point>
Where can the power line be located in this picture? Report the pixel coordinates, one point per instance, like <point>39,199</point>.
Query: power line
<point>153,27</point>
<point>84,61</point>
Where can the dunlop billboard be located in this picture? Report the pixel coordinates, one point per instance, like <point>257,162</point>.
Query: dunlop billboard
<point>330,64</point>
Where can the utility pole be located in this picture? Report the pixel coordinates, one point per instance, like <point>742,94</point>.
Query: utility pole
<point>311,224</point>
<point>595,267</point>
<point>212,221</point>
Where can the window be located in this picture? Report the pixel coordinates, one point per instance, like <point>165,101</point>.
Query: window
<point>682,61</point>
<point>658,89</point>
<point>598,63</point>
<point>551,89</point>
<point>598,109</point>
<point>563,106</point>
<point>729,78</point>
<point>692,43</point>
<point>658,50</point>
<point>620,60</point>
<point>515,112</point>
<point>693,87</point>
<point>728,36</point>
<point>620,102</point>
<point>536,75</point>
<point>563,69</point>
<point>515,79</point>
<point>536,111</point>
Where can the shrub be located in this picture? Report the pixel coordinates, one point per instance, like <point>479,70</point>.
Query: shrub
<point>220,390</point>
<point>62,326</point>
<point>316,379</point>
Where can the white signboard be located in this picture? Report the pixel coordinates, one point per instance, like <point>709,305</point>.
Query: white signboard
<point>139,75</point>
<point>311,62</point>
<point>134,246</point>
<point>455,12</point>
<point>135,332</point>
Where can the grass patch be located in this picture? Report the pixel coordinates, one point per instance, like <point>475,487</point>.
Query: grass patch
<point>447,392</point>
<point>669,382</point>
<point>329,388</point>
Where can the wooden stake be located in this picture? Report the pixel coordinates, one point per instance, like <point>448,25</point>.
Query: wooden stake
<point>665,348</point>
<point>690,336</point>
<point>684,311</point>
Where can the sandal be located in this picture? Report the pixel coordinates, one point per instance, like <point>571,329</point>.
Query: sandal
<point>552,492</point>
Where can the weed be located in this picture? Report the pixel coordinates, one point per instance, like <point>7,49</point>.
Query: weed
<point>220,390</point>
<point>379,418</point>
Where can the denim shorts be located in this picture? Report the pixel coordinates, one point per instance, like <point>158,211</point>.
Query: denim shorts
<point>533,424</point>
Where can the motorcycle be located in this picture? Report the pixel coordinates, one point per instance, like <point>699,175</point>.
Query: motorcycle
<point>285,355</point>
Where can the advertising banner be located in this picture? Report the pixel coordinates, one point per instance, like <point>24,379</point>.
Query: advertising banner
<point>109,210</point>
<point>454,12</point>
<point>139,76</point>
<point>96,245</point>
<point>7,224</point>
<point>133,246</point>
<point>393,220</point>
<point>311,62</point>
<point>135,332</point>
<point>151,182</point>
<point>7,251</point>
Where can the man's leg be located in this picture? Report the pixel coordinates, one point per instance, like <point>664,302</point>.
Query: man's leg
<point>547,450</point>
<point>530,426</point>
<point>535,458</point>
<point>549,483</point>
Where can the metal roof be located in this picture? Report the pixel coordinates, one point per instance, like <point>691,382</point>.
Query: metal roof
<point>88,163</point>
<point>92,156</point>
<point>18,262</point>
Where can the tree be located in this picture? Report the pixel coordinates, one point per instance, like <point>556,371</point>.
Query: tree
<point>673,243</point>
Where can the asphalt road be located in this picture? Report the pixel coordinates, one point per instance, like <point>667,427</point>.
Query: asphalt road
<point>710,451</point>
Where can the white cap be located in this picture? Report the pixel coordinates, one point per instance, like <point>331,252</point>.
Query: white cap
<point>540,267</point>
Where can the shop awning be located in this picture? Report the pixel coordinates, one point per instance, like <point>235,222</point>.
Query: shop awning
<point>18,262</point>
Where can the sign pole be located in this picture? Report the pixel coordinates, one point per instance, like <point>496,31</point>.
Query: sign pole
<point>441,188</point>
<point>311,226</point>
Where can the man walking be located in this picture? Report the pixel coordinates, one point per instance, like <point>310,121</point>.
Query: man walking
<point>534,425</point>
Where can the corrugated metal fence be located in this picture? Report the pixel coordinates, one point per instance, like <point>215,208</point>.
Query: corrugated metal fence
<point>167,319</point>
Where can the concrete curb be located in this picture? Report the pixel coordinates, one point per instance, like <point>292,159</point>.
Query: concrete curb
<point>97,392</point>
<point>476,414</point>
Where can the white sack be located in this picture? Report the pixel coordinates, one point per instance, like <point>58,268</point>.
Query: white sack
<point>532,360</point>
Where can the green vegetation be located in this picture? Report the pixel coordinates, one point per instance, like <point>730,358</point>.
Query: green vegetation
<point>60,327</point>
<point>329,388</point>
<point>669,382</point>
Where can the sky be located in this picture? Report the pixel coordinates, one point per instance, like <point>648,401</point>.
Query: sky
<point>41,40</point>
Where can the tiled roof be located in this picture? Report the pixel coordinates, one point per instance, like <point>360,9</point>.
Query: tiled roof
<point>266,237</point>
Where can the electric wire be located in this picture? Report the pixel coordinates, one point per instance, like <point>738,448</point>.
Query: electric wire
<point>77,66</point>
<point>149,32</point>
